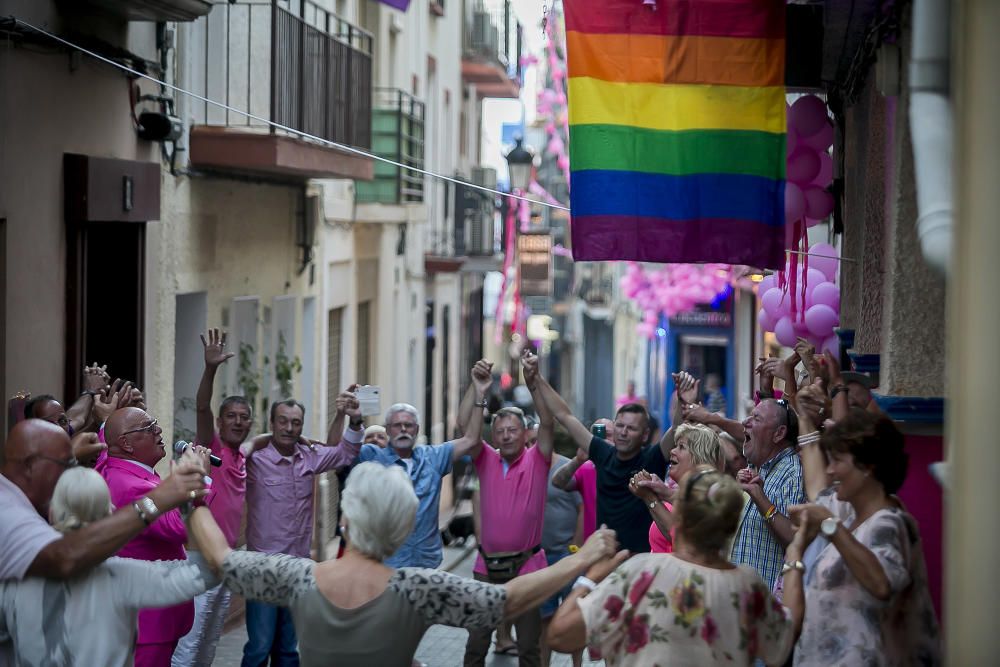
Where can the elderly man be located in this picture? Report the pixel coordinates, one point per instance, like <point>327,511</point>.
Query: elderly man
<point>135,445</point>
<point>513,481</point>
<point>36,454</point>
<point>223,435</point>
<point>280,514</point>
<point>426,466</point>
<point>773,481</point>
<point>615,463</point>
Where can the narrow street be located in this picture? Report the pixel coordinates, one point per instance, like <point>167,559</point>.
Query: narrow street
<point>441,647</point>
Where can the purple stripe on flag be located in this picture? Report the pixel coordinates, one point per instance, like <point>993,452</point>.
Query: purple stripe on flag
<point>401,5</point>
<point>644,239</point>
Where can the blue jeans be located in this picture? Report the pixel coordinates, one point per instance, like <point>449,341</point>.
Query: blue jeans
<point>550,606</point>
<point>269,633</point>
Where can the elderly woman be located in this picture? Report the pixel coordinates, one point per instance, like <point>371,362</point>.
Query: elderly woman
<point>688,607</point>
<point>53,622</point>
<point>357,611</point>
<point>694,445</point>
<point>864,599</point>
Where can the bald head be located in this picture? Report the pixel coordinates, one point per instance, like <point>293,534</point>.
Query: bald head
<point>131,433</point>
<point>35,455</point>
<point>121,420</point>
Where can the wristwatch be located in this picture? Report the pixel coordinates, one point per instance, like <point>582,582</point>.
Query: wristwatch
<point>829,526</point>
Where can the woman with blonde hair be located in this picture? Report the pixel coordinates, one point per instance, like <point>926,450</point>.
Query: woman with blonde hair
<point>688,607</point>
<point>694,445</point>
<point>52,621</point>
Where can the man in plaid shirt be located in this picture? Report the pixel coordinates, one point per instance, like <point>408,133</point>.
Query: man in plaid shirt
<point>773,482</point>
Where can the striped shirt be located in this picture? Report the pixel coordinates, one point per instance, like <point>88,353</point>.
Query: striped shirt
<point>755,544</point>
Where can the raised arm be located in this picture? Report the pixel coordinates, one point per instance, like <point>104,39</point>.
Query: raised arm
<point>546,424</point>
<point>471,443</point>
<point>467,405</point>
<point>348,408</point>
<point>82,549</point>
<point>214,342</point>
<point>555,404</point>
<point>814,477</point>
<point>81,412</point>
<point>564,477</point>
<point>701,415</point>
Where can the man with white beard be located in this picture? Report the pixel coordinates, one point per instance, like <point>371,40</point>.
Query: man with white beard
<point>426,466</point>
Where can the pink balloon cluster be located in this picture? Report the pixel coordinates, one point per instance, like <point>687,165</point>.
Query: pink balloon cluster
<point>816,300</point>
<point>672,289</point>
<point>809,169</point>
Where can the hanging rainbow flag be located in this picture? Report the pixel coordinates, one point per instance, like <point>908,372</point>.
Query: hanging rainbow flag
<point>677,130</point>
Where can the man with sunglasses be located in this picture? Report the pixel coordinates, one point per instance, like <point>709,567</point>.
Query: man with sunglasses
<point>135,446</point>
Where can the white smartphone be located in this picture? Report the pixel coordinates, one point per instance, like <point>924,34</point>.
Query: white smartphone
<point>370,398</point>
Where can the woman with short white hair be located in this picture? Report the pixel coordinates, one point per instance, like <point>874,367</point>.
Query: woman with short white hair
<point>52,621</point>
<point>358,611</point>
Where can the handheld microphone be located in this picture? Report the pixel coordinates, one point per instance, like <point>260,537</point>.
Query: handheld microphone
<point>181,446</point>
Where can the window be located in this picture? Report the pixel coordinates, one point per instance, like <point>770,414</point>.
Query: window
<point>334,343</point>
<point>363,375</point>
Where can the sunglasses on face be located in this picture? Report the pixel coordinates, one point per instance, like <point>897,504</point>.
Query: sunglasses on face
<point>149,428</point>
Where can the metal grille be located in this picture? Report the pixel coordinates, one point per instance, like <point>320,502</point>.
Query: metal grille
<point>334,342</point>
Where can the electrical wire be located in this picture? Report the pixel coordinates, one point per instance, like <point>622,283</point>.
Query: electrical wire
<point>304,135</point>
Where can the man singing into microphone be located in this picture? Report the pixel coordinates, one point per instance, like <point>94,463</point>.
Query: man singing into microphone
<point>225,498</point>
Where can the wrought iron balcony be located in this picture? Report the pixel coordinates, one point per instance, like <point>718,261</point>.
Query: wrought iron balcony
<point>293,62</point>
<point>398,135</point>
<point>491,49</point>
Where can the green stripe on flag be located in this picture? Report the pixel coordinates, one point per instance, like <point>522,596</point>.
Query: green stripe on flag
<point>678,153</point>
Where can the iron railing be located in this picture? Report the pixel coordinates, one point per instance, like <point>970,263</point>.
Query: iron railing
<point>492,32</point>
<point>397,134</point>
<point>288,60</point>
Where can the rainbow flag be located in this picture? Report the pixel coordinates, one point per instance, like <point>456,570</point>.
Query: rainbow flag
<point>677,130</point>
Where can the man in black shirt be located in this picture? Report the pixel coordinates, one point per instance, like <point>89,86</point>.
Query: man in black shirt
<point>615,461</point>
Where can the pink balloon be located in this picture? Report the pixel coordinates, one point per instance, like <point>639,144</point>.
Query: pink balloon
<point>795,202</point>
<point>831,345</point>
<point>813,277</point>
<point>767,283</point>
<point>819,202</point>
<point>803,165</point>
<point>784,331</point>
<point>773,302</point>
<point>826,294</point>
<point>807,115</point>
<point>823,256</point>
<point>765,321</point>
<point>823,139</point>
<point>825,176</point>
<point>791,141</point>
<point>821,320</point>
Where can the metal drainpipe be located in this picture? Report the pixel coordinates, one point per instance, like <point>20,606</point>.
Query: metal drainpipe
<point>931,127</point>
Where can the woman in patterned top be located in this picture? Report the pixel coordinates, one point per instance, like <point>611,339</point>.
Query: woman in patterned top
<point>688,607</point>
<point>357,611</point>
<point>862,598</point>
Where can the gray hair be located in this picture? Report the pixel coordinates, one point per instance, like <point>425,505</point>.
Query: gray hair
<point>81,497</point>
<point>381,506</point>
<point>402,407</point>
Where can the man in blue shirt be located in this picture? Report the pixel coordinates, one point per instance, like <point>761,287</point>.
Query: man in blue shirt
<point>427,465</point>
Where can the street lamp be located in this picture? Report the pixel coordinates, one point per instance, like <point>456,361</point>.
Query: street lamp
<point>519,163</point>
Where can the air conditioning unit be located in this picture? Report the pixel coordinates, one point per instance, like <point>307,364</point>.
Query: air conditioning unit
<point>485,176</point>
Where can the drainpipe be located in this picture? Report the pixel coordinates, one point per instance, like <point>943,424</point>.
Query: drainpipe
<point>931,127</point>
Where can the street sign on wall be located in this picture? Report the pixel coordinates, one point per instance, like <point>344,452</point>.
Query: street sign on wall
<point>534,263</point>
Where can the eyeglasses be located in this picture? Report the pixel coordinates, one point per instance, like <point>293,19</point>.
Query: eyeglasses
<point>149,428</point>
<point>65,463</point>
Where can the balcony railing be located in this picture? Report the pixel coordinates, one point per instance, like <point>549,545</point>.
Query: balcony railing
<point>397,134</point>
<point>288,60</point>
<point>493,34</point>
<point>475,211</point>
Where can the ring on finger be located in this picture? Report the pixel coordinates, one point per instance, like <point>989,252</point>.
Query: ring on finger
<point>192,494</point>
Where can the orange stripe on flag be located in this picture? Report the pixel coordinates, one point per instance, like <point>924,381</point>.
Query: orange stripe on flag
<point>677,59</point>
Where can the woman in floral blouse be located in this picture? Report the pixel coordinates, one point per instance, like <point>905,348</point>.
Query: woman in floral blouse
<point>862,597</point>
<point>689,607</point>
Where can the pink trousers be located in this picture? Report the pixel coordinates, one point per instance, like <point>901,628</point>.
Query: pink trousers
<point>154,655</point>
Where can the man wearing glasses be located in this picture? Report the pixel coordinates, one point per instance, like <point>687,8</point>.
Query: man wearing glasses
<point>36,454</point>
<point>135,445</point>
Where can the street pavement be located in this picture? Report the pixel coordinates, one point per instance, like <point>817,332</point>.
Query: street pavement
<point>441,646</point>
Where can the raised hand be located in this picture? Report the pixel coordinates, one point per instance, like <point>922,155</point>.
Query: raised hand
<point>215,348</point>
<point>185,483</point>
<point>529,365</point>
<point>599,546</point>
<point>116,395</point>
<point>86,447</point>
<point>688,388</point>
<point>482,376</point>
<point>695,413</point>
<point>95,378</point>
<point>347,403</point>
<point>656,486</point>
<point>812,402</point>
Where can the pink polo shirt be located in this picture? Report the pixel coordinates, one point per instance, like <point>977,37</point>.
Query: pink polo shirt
<point>512,505</point>
<point>229,489</point>
<point>586,484</point>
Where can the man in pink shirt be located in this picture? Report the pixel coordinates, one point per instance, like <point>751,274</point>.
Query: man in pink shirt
<point>135,445</point>
<point>225,498</point>
<point>513,487</point>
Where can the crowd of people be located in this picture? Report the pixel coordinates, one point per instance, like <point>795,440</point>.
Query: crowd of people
<point>775,540</point>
